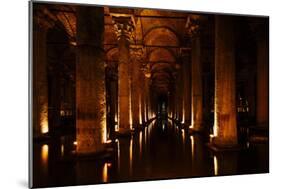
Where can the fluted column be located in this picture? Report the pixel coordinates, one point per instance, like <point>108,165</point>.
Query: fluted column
<point>124,28</point>
<point>225,126</point>
<point>90,81</point>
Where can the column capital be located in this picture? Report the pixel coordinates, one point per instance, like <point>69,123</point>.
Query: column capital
<point>146,68</point>
<point>137,53</point>
<point>193,25</point>
<point>43,19</point>
<point>124,25</point>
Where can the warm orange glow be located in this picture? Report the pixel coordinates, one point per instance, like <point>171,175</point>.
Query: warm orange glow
<point>131,155</point>
<point>44,119</point>
<point>211,137</point>
<point>140,118</point>
<point>183,112</point>
<point>130,111</point>
<point>62,150</point>
<point>215,128</point>
<point>116,122</point>
<point>216,168</point>
<point>104,136</point>
<point>140,142</point>
<point>183,134</point>
<point>45,154</point>
<point>192,146</point>
<point>103,121</point>
<point>105,173</point>
<point>75,143</point>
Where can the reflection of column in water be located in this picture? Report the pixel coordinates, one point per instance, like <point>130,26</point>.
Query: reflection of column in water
<point>45,157</point>
<point>225,163</point>
<point>140,142</point>
<point>105,173</point>
<point>145,136</point>
<point>131,155</point>
<point>118,155</point>
<point>192,147</point>
<point>216,168</point>
<point>183,139</point>
<point>62,150</point>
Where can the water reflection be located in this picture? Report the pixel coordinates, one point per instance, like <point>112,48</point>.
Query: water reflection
<point>105,173</point>
<point>152,153</point>
<point>131,155</point>
<point>216,169</point>
<point>45,157</point>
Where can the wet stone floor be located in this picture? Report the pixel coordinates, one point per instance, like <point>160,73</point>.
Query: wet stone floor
<point>160,151</point>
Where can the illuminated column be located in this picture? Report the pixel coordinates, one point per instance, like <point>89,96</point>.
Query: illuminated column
<point>146,97</point>
<point>186,89</point>
<point>143,99</point>
<point>147,74</point>
<point>40,82</point>
<point>90,81</point>
<point>196,86</point>
<point>262,115</point>
<point>136,84</point>
<point>225,126</point>
<point>124,28</point>
<point>180,97</point>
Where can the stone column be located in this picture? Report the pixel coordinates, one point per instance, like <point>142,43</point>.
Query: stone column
<point>136,84</point>
<point>40,82</point>
<point>142,100</point>
<point>225,126</point>
<point>186,89</point>
<point>180,93</point>
<point>262,38</point>
<point>192,28</point>
<point>113,97</point>
<point>90,81</point>
<point>124,28</point>
<point>196,86</point>
<point>146,97</point>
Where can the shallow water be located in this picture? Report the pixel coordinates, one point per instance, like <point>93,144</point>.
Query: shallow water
<point>160,151</point>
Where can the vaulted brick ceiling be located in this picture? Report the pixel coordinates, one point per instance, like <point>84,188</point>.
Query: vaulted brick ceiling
<point>162,34</point>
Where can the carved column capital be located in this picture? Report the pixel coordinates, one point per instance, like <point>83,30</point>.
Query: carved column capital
<point>124,25</point>
<point>43,19</point>
<point>137,53</point>
<point>193,25</point>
